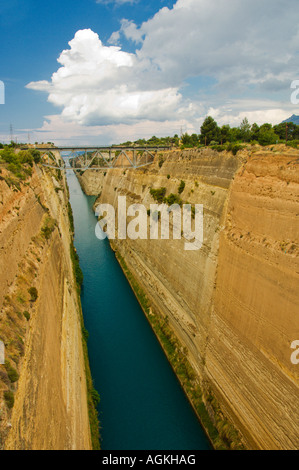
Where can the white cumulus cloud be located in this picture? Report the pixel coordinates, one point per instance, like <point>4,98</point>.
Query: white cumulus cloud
<point>101,85</point>
<point>240,55</point>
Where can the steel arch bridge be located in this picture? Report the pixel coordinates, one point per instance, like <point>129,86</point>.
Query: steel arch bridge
<point>97,158</point>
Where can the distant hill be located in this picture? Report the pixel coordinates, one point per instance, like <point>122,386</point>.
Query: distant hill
<point>294,119</point>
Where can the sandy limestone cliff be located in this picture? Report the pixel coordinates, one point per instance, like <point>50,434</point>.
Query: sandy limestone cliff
<point>234,304</point>
<point>50,398</point>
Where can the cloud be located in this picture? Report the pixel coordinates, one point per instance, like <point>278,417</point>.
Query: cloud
<point>252,41</point>
<point>235,52</point>
<point>129,30</point>
<point>62,132</point>
<point>104,85</point>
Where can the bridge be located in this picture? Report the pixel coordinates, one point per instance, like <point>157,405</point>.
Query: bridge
<point>97,158</point>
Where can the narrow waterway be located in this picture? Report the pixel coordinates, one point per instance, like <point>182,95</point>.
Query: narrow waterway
<point>142,404</point>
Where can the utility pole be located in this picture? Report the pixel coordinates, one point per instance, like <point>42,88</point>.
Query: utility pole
<point>11,133</point>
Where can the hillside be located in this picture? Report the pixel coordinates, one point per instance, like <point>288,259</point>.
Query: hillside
<point>294,119</point>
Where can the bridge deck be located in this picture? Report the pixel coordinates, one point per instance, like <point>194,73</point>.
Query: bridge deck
<point>98,158</point>
<point>89,149</point>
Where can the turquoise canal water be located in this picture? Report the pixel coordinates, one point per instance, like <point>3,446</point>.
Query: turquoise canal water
<point>142,404</point>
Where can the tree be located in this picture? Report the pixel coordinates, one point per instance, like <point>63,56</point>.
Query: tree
<point>225,133</point>
<point>287,128</point>
<point>266,127</point>
<point>175,140</point>
<point>234,134</point>
<point>209,131</point>
<point>267,136</point>
<point>186,140</point>
<point>255,129</point>
<point>245,130</point>
<point>190,141</point>
<point>194,140</point>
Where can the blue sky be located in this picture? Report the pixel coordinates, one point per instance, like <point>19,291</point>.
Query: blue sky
<point>137,68</point>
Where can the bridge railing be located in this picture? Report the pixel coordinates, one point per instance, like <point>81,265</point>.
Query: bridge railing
<point>98,158</point>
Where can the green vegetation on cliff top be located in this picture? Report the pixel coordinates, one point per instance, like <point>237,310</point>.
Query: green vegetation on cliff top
<point>215,136</point>
<point>18,164</point>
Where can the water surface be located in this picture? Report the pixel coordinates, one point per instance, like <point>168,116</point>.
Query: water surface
<point>143,406</point>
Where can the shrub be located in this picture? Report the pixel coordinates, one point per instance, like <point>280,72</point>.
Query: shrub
<point>219,148</point>
<point>161,161</point>
<point>95,397</point>
<point>182,187</point>
<point>48,227</point>
<point>168,177</point>
<point>78,275</point>
<point>4,378</point>
<point>33,293</point>
<point>11,372</point>
<point>85,334</point>
<point>20,164</point>
<point>9,399</point>
<point>293,143</point>
<point>36,156</point>
<point>27,315</point>
<point>158,194</point>
<point>234,148</point>
<point>173,199</point>
<point>76,266</point>
<point>71,217</point>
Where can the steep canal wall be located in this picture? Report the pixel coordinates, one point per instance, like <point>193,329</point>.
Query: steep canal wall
<point>226,314</point>
<point>43,399</point>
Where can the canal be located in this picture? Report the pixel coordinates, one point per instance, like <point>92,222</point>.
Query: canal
<point>143,406</point>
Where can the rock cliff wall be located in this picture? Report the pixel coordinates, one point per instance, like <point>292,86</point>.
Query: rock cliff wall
<point>233,305</point>
<point>43,398</point>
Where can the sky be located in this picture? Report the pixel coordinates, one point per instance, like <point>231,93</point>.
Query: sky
<point>107,71</point>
